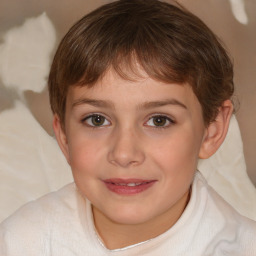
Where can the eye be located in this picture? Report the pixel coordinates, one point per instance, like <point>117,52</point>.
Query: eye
<point>159,121</point>
<point>96,120</point>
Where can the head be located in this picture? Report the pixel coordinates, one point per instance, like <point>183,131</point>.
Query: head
<point>169,43</point>
<point>140,89</point>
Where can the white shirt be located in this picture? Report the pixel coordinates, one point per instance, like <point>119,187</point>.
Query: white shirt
<point>61,224</point>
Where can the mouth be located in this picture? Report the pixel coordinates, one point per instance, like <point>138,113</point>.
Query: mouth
<point>128,186</point>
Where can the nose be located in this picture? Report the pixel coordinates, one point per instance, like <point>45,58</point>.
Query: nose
<point>126,149</point>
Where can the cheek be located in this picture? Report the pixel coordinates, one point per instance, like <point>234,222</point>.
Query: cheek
<point>85,154</point>
<point>177,152</point>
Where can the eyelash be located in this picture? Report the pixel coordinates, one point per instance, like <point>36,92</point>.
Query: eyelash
<point>166,118</point>
<point>95,115</point>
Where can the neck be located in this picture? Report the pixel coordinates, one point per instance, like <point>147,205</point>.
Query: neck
<point>117,235</point>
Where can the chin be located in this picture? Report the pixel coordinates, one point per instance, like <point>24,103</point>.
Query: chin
<point>129,217</point>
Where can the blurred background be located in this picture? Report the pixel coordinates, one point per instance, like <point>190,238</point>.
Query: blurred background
<point>234,21</point>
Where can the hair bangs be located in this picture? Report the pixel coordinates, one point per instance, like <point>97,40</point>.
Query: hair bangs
<point>135,53</point>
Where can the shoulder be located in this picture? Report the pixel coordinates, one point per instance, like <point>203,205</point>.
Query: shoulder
<point>48,205</point>
<point>226,229</point>
<point>37,221</point>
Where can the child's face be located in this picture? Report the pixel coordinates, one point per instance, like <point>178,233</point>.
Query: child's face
<point>133,146</point>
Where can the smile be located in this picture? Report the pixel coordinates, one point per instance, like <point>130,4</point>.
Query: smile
<point>128,187</point>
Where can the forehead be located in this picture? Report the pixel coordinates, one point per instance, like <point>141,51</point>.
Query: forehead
<point>114,91</point>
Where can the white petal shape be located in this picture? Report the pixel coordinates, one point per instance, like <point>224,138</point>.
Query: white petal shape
<point>25,54</point>
<point>238,10</point>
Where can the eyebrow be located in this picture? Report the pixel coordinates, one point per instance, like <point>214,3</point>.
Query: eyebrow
<point>154,104</point>
<point>95,103</point>
<point>145,105</point>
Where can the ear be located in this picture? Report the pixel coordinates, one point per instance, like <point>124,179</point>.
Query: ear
<point>216,131</point>
<point>61,136</point>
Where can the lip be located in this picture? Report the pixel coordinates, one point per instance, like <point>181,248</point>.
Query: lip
<point>128,186</point>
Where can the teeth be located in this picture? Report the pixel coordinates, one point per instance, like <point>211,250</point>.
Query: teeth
<point>132,184</point>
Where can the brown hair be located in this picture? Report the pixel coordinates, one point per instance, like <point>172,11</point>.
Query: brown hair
<point>167,41</point>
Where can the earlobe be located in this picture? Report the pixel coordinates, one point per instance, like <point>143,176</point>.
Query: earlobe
<point>61,136</point>
<point>216,131</point>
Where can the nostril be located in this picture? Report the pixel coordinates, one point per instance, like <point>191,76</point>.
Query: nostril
<point>125,149</point>
<point>126,157</point>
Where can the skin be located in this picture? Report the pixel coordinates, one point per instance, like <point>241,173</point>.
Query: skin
<point>146,130</point>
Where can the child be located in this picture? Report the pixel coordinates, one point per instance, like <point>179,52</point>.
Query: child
<point>140,90</point>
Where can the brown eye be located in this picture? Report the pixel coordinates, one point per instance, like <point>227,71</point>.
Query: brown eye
<point>96,120</point>
<point>159,121</point>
